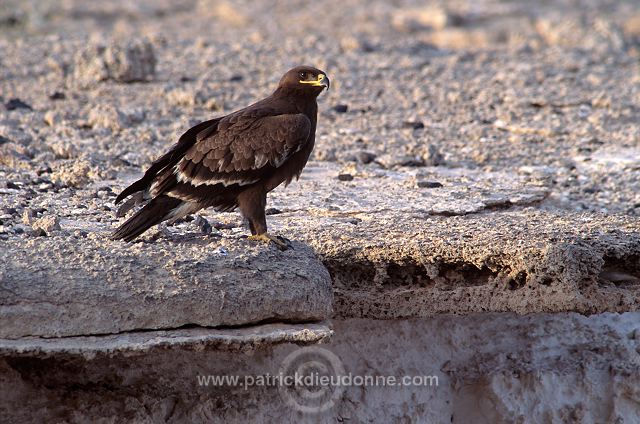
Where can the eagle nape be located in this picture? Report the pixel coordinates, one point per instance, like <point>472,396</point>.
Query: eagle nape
<point>233,161</point>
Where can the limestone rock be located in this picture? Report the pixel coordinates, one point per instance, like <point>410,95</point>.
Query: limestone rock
<point>47,224</point>
<point>97,286</point>
<point>129,62</point>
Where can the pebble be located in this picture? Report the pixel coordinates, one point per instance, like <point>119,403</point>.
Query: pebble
<point>416,125</point>
<point>345,177</point>
<point>16,103</point>
<point>341,108</point>
<point>53,118</point>
<point>432,156</point>
<point>203,224</point>
<point>392,160</point>
<point>28,216</point>
<point>428,184</point>
<point>57,95</point>
<point>365,157</point>
<point>47,224</point>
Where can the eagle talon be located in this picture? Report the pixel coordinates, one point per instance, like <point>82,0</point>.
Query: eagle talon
<point>280,242</point>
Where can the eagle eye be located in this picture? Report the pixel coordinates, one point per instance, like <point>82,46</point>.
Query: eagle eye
<point>303,75</point>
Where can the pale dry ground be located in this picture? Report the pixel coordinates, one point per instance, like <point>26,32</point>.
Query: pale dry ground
<point>452,126</point>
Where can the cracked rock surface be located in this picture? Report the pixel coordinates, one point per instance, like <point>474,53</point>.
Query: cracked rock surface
<point>77,287</point>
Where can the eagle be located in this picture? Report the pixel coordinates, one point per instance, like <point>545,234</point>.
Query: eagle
<point>232,161</point>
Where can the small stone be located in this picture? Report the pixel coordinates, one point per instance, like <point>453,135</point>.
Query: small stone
<point>416,125</point>
<point>44,187</point>
<point>53,118</point>
<point>391,160</point>
<point>47,224</point>
<point>16,103</point>
<point>181,96</point>
<point>28,216</point>
<point>57,95</point>
<point>108,116</point>
<point>428,184</point>
<point>420,19</point>
<point>365,157</point>
<point>432,156</point>
<point>73,173</point>
<point>350,43</point>
<point>4,140</point>
<point>345,177</point>
<point>212,104</point>
<point>223,226</point>
<point>130,62</point>
<point>44,170</point>
<point>272,211</point>
<point>222,251</point>
<point>236,78</point>
<point>341,108</point>
<point>12,185</point>
<point>203,224</point>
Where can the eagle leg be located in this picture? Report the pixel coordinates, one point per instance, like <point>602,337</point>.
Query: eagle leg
<point>252,204</point>
<point>280,242</point>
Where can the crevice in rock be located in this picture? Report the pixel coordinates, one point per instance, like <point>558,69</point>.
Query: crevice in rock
<point>188,326</point>
<point>623,272</point>
<point>409,273</point>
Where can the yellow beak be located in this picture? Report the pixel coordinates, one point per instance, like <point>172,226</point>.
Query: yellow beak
<point>322,81</point>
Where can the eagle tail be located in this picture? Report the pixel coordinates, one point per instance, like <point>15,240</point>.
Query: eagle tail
<point>154,212</point>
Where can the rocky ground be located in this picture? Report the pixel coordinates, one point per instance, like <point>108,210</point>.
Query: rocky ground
<point>471,157</point>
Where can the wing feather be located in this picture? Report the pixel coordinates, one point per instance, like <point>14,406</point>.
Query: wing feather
<point>242,151</point>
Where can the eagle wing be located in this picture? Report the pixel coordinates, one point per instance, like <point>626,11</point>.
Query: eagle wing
<point>167,160</point>
<point>241,150</point>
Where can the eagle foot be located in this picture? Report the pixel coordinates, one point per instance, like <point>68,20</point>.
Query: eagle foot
<point>280,242</point>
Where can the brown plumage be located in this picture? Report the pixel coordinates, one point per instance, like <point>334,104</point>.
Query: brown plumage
<point>233,161</point>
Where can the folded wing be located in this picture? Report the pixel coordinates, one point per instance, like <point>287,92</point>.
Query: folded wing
<point>240,151</point>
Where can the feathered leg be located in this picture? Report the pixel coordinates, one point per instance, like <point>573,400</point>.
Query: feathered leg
<point>252,204</point>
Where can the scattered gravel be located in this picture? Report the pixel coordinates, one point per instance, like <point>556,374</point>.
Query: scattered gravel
<point>543,91</point>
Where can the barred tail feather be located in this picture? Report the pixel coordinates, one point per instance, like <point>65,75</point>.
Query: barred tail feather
<point>156,211</point>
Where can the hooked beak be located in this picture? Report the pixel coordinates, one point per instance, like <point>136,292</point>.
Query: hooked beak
<point>322,81</point>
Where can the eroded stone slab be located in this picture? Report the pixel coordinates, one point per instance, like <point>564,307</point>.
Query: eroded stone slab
<point>67,286</point>
<point>142,342</point>
<point>389,262</point>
